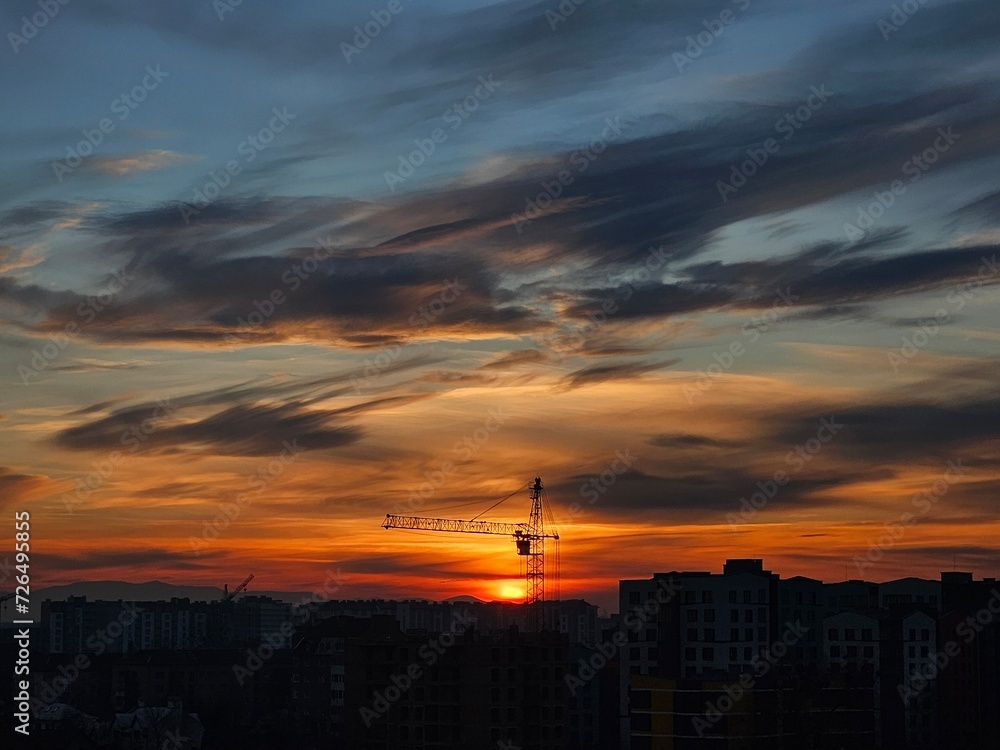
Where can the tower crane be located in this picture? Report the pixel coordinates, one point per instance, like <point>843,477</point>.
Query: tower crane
<point>528,537</point>
<point>228,596</point>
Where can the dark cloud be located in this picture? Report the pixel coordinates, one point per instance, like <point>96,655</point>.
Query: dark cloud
<point>16,487</point>
<point>243,429</point>
<point>603,373</point>
<point>687,440</point>
<point>515,358</point>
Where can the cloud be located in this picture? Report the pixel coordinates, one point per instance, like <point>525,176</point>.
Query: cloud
<point>687,440</point>
<point>142,161</point>
<point>622,371</point>
<point>513,359</point>
<point>17,488</point>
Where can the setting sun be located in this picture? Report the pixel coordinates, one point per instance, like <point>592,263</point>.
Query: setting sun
<point>512,592</point>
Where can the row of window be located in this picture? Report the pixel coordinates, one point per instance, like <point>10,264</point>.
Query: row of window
<point>734,615</point>
<point>851,652</point>
<point>708,634</point>
<point>707,597</point>
<point>849,634</point>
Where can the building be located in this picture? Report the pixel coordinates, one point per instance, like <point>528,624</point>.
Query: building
<point>459,688</point>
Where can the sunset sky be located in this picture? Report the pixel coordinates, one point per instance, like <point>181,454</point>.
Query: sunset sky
<point>258,261</point>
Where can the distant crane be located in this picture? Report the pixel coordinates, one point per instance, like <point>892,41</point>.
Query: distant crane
<point>4,598</point>
<point>227,596</point>
<point>529,537</point>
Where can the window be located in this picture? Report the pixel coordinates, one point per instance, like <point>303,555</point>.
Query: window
<point>732,597</point>
<point>848,634</point>
<point>913,635</point>
<point>692,615</point>
<point>747,653</point>
<point>834,652</point>
<point>923,651</point>
<point>710,634</point>
<point>925,634</point>
<point>747,615</point>
<point>734,615</point>
<point>762,634</point>
<point>761,596</point>
<point>708,654</point>
<point>689,654</point>
<point>692,634</point>
<point>866,634</point>
<point>650,634</point>
<point>798,597</point>
<point>746,597</point>
<point>634,653</point>
<point>762,615</point>
<point>732,653</point>
<point>689,597</point>
<point>633,597</point>
<point>831,634</point>
<point>709,615</point>
<point>852,652</point>
<point>912,652</point>
<point>748,634</point>
<point>734,634</point>
<point>869,652</point>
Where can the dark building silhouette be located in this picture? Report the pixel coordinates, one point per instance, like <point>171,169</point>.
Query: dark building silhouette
<point>412,691</point>
<point>737,659</point>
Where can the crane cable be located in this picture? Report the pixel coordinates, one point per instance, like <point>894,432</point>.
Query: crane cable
<point>507,497</point>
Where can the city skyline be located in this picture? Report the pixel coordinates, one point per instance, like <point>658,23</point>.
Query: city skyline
<point>723,275</point>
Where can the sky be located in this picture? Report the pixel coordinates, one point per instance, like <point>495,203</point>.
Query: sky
<point>723,274</point>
